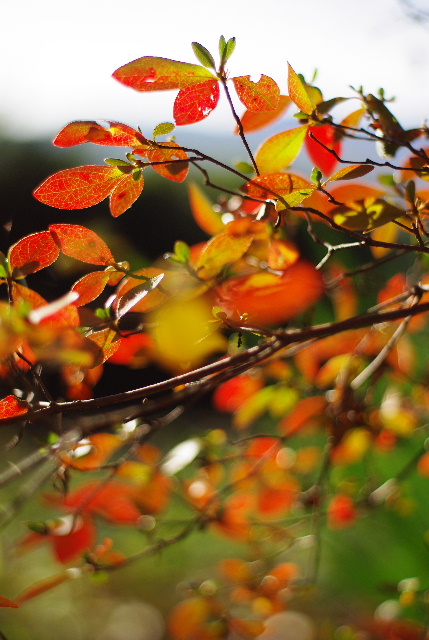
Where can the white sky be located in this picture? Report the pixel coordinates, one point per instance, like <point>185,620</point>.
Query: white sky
<point>57,56</point>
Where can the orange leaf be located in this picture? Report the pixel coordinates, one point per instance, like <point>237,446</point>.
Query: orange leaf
<point>125,194</point>
<point>232,393</point>
<point>177,170</point>
<point>5,602</point>
<point>81,243</point>
<point>133,350</point>
<point>298,93</point>
<point>202,209</point>
<point>352,172</point>
<point>148,302</point>
<point>32,253</point>
<point>308,411</point>
<point>220,251</point>
<point>270,299</point>
<point>341,512</point>
<point>280,151</point>
<point>108,340</point>
<point>263,95</point>
<point>90,286</point>
<point>278,185</point>
<point>255,120</point>
<point>195,103</point>
<point>328,137</point>
<point>82,131</point>
<point>78,188</point>
<point>11,406</point>
<point>158,74</point>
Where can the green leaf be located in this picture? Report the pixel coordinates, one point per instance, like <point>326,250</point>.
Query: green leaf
<point>327,105</point>
<point>244,167</point>
<point>316,176</point>
<point>115,162</point>
<point>226,49</point>
<point>203,55</point>
<point>163,129</point>
<point>182,252</point>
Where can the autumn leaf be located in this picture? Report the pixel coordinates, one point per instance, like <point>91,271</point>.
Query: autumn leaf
<point>125,194</point>
<point>269,299</point>
<point>287,188</point>
<point>32,253</point>
<point>11,407</point>
<point>160,74</point>
<point>255,120</point>
<point>263,95</point>
<point>365,215</point>
<point>202,209</point>
<point>170,161</point>
<point>78,188</point>
<point>83,131</point>
<point>5,602</point>
<point>196,102</point>
<point>298,93</point>
<point>328,138</point>
<point>81,243</point>
<point>352,172</point>
<point>144,299</point>
<point>108,340</point>
<point>90,286</point>
<point>279,151</point>
<point>220,251</point>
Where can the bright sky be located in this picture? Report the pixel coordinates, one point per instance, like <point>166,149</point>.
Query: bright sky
<point>57,56</point>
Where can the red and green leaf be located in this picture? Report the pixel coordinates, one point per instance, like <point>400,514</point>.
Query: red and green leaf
<point>289,189</point>
<point>81,243</point>
<point>196,102</point>
<point>278,153</point>
<point>82,131</point>
<point>32,253</point>
<point>255,120</point>
<point>263,95</point>
<point>78,188</point>
<point>160,74</point>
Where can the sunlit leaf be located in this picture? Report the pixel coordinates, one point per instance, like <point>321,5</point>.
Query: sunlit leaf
<point>162,129</point>
<point>173,159</point>
<point>341,511</point>
<point>108,340</point>
<point>367,214</point>
<point>202,209</point>
<point>353,119</point>
<point>288,188</point>
<point>148,301</point>
<point>11,407</point>
<point>281,254</point>
<point>298,93</point>
<point>279,151</point>
<point>132,297</point>
<point>82,131</point>
<point>220,251</point>
<point>78,188</point>
<point>90,286</point>
<point>230,395</point>
<point>125,194</point>
<point>328,138</point>
<point>255,120</point>
<point>268,299</point>
<point>158,74</point>
<point>262,95</point>
<point>81,243</point>
<point>196,102</point>
<point>133,351</point>
<point>92,452</point>
<point>351,172</point>
<point>184,333</point>
<point>32,253</point>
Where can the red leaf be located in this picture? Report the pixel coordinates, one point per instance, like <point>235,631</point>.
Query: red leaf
<point>125,194</point>
<point>82,131</point>
<point>81,243</point>
<point>263,95</point>
<point>78,188</point>
<point>72,544</point>
<point>328,136</point>
<point>255,120</point>
<point>32,253</point>
<point>195,103</point>
<point>5,602</point>
<point>177,170</point>
<point>270,299</point>
<point>159,74</point>
<point>11,406</point>
<point>90,286</point>
<point>113,501</point>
